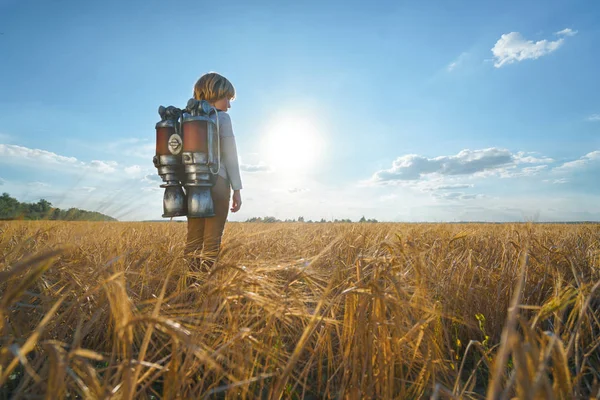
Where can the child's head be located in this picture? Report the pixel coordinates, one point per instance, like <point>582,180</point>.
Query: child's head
<point>216,89</point>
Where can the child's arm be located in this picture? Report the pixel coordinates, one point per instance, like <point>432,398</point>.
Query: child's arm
<point>229,152</point>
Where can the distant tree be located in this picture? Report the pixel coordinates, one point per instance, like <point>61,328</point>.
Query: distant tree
<point>44,205</point>
<point>11,208</point>
<point>300,219</point>
<point>363,219</point>
<point>266,220</point>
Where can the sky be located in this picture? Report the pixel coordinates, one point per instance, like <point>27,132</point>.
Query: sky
<point>402,111</point>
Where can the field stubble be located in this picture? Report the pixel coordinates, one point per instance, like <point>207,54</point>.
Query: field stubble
<point>110,310</point>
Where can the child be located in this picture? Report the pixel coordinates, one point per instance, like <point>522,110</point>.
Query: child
<point>204,234</point>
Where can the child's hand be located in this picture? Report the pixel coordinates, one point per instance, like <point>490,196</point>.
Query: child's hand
<point>237,201</point>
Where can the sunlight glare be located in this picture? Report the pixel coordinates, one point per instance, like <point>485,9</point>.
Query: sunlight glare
<point>293,144</point>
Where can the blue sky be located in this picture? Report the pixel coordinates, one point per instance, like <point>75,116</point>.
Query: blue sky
<point>400,111</point>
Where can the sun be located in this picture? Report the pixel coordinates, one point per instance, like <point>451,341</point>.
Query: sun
<point>293,144</point>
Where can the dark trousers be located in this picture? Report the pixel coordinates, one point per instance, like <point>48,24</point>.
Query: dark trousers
<point>204,234</point>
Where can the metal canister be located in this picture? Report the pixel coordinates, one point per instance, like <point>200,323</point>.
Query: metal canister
<point>168,161</point>
<point>200,155</point>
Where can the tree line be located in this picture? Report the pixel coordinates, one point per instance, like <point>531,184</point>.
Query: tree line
<point>301,219</point>
<point>11,208</point>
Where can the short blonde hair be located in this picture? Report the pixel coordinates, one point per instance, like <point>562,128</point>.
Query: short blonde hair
<point>212,87</point>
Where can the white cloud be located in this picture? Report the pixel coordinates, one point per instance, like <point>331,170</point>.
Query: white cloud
<point>456,196</point>
<point>131,147</point>
<point>103,166</point>
<point>530,171</point>
<point>414,167</point>
<point>388,197</point>
<point>36,158</point>
<point>138,148</point>
<point>452,65</point>
<point>529,158</point>
<point>512,47</point>
<point>133,170</point>
<point>567,32</point>
<point>97,178</point>
<point>260,167</point>
<point>2,181</point>
<point>298,190</point>
<point>557,181</point>
<point>580,163</point>
<point>454,186</point>
<point>87,185</point>
<point>513,172</point>
<point>594,118</point>
<point>458,62</point>
<point>570,165</point>
<point>38,184</point>
<point>35,155</point>
<point>450,186</point>
<point>152,189</point>
<point>434,173</point>
<point>152,178</point>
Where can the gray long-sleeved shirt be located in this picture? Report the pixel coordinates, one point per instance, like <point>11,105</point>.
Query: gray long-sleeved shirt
<point>230,168</point>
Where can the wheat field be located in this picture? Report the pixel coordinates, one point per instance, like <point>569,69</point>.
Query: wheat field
<point>297,310</point>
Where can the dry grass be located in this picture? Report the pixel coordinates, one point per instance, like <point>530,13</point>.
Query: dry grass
<point>109,310</point>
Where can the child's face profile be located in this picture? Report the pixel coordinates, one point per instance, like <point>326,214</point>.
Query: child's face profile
<point>222,104</point>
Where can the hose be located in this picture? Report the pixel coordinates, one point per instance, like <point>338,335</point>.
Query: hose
<point>218,145</point>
